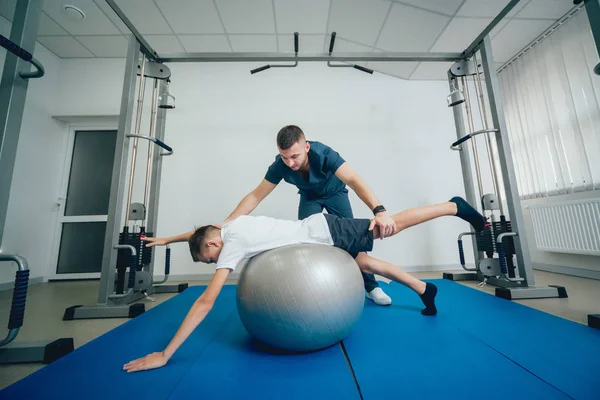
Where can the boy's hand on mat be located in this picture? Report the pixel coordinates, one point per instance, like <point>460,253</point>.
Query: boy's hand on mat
<point>152,241</point>
<point>387,226</point>
<point>151,361</point>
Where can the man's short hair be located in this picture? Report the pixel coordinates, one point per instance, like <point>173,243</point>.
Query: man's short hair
<point>199,239</point>
<point>288,136</point>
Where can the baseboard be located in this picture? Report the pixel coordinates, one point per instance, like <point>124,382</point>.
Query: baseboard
<point>11,285</point>
<point>559,269</point>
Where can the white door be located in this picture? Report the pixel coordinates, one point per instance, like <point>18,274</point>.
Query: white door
<point>83,205</point>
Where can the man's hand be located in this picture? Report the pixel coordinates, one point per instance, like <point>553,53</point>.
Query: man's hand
<point>387,226</point>
<point>151,361</point>
<point>152,241</point>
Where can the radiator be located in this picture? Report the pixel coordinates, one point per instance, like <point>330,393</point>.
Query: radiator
<point>567,227</point>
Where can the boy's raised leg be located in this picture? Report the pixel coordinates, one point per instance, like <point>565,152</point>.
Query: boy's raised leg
<point>455,207</point>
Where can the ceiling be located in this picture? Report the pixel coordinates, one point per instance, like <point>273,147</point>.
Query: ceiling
<point>268,26</point>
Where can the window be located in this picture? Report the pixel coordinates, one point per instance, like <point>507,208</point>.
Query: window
<point>551,99</point>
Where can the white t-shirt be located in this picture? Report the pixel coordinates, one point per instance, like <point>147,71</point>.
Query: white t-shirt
<point>247,236</point>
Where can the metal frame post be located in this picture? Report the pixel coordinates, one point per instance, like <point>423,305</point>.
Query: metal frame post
<point>465,164</point>
<point>157,161</point>
<point>522,287</point>
<point>13,93</point>
<point>527,289</point>
<point>155,182</point>
<point>119,176</point>
<point>506,164</point>
<point>155,176</point>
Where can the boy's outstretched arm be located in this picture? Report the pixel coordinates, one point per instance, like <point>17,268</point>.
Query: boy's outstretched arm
<point>156,241</point>
<point>197,313</point>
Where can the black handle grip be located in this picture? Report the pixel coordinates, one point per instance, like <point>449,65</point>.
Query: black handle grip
<point>461,253</point>
<point>168,261</point>
<point>363,69</point>
<point>132,268</point>
<point>296,42</point>
<point>461,140</point>
<point>24,55</point>
<point>163,145</point>
<point>502,257</point>
<point>16,50</point>
<point>17,308</point>
<point>259,69</point>
<point>332,42</point>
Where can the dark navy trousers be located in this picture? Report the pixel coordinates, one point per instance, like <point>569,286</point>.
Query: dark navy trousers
<point>337,204</point>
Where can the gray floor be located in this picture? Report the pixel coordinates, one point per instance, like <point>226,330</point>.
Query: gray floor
<point>46,304</point>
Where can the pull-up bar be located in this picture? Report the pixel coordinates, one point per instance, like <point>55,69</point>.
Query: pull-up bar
<point>295,64</point>
<point>296,46</point>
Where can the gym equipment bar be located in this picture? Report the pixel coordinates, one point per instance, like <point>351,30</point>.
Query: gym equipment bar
<point>274,57</point>
<point>46,351</point>
<point>473,47</point>
<point>13,93</point>
<point>23,55</point>
<point>144,45</point>
<point>514,278</point>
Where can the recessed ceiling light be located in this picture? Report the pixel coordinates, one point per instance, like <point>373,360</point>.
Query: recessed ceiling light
<point>73,12</point>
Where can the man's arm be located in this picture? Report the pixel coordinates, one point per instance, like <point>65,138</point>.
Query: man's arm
<point>350,177</point>
<point>252,200</point>
<point>195,316</point>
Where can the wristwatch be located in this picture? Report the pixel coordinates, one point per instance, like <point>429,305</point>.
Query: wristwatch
<point>378,209</point>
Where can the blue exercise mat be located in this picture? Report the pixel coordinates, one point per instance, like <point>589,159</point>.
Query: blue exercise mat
<point>217,361</point>
<point>561,352</point>
<point>94,370</point>
<point>233,366</point>
<point>478,346</point>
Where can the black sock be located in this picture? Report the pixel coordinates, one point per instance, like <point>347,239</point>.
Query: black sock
<point>428,299</point>
<point>469,214</point>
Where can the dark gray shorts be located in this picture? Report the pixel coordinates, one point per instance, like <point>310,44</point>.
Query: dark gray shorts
<point>350,234</point>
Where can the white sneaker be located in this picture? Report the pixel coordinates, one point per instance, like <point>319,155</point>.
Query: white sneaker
<point>379,297</point>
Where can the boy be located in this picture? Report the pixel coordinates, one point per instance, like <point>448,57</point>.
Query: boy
<point>247,236</point>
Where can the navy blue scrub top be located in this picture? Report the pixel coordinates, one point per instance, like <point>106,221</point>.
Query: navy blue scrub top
<point>323,162</point>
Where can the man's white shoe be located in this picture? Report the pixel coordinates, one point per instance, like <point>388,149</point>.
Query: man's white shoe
<point>379,297</point>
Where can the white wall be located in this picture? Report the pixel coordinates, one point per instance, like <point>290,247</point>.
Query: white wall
<point>90,87</point>
<point>30,221</point>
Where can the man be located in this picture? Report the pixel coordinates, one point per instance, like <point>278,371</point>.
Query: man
<point>321,175</point>
<point>246,236</point>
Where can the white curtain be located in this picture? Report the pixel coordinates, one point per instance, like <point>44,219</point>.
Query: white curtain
<point>551,100</point>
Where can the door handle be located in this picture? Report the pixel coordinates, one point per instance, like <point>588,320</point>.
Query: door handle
<point>60,201</point>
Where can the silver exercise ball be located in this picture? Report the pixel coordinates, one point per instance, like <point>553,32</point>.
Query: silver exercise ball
<point>301,297</point>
